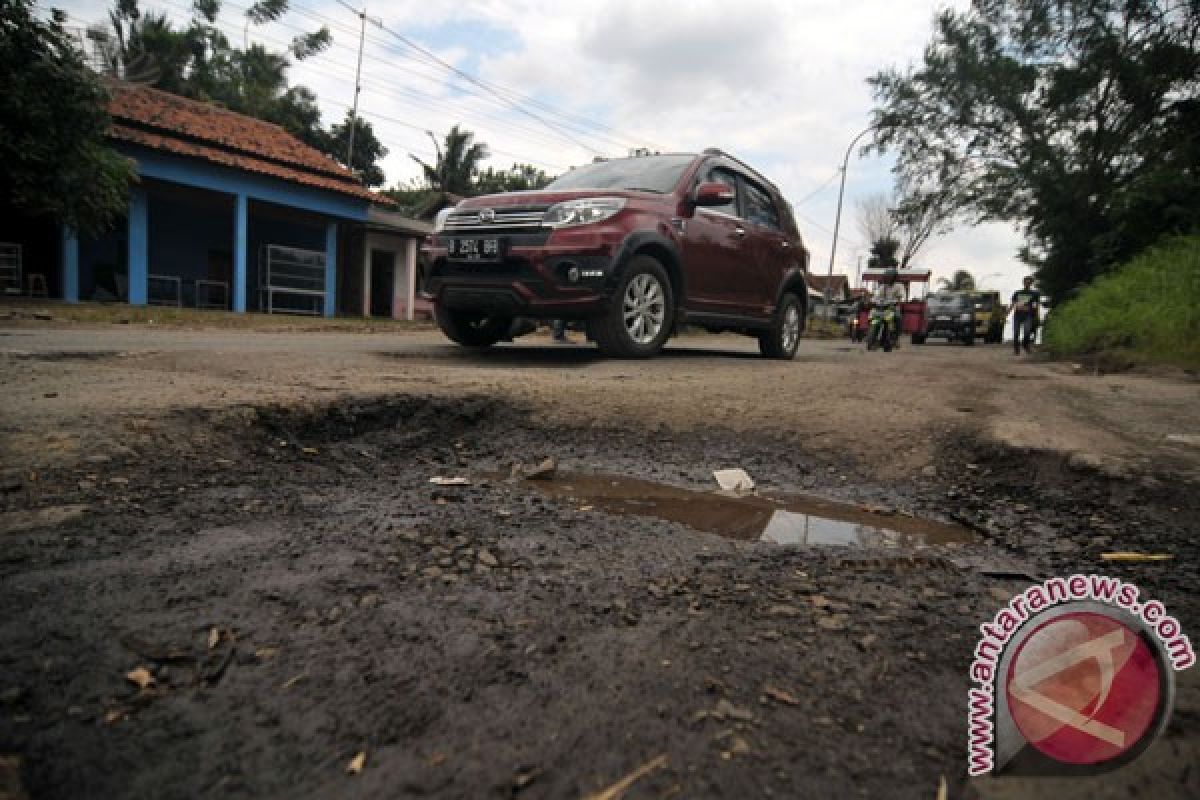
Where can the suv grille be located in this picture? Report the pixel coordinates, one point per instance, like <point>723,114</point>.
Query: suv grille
<point>506,219</point>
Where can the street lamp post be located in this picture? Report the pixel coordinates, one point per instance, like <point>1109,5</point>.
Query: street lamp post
<point>837,223</point>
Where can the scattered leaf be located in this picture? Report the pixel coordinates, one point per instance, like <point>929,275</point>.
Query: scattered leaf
<point>140,676</point>
<point>943,792</point>
<point>114,716</point>
<point>357,763</point>
<point>436,760</point>
<point>779,695</point>
<point>214,638</point>
<point>265,653</point>
<point>309,451</point>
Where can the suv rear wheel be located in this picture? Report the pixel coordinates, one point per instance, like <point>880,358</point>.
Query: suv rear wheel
<point>472,328</point>
<point>783,337</point>
<point>639,321</point>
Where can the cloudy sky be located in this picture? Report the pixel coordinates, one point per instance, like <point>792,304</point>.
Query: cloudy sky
<point>779,83</point>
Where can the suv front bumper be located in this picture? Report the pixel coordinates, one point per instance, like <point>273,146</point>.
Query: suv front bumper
<point>535,277</point>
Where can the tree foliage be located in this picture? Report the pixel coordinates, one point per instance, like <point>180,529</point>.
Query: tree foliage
<point>1076,118</point>
<point>960,281</point>
<point>368,150</point>
<point>899,229</point>
<point>517,178</point>
<point>456,167</point>
<point>53,157</point>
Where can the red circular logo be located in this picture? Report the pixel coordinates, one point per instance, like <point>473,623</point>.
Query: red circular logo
<point>1083,688</point>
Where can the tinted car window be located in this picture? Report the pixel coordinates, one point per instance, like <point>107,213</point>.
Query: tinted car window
<point>647,173</point>
<point>718,175</point>
<point>759,207</point>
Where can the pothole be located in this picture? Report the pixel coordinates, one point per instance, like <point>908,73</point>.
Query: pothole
<point>789,520</point>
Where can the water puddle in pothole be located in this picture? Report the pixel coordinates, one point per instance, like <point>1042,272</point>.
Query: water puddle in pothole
<point>790,520</point>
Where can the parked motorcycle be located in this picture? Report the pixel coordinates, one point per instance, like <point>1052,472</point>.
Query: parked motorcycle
<point>883,329</point>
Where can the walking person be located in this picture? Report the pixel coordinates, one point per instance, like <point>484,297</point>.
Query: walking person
<point>1025,304</point>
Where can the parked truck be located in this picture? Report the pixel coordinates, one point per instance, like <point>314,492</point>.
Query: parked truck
<point>990,313</point>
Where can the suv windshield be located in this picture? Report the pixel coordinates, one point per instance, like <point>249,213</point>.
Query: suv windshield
<point>645,173</point>
<point>949,302</point>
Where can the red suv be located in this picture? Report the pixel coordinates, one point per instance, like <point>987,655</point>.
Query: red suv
<point>634,247</point>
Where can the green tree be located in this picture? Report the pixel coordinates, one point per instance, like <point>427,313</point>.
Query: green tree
<point>368,150</point>
<point>53,157</point>
<point>960,281</point>
<point>884,253</point>
<point>457,165</point>
<point>517,178</point>
<point>1076,118</point>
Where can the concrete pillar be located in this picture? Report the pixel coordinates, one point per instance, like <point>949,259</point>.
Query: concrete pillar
<point>331,230</point>
<point>366,274</point>
<point>139,246</point>
<point>240,228</point>
<point>70,265</point>
<point>410,277</point>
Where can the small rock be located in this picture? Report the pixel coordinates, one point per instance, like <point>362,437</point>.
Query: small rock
<point>929,471</point>
<point>727,710</point>
<point>432,572</point>
<point>369,600</point>
<point>486,558</point>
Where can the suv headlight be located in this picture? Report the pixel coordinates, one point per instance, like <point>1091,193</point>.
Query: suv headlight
<point>582,212</point>
<point>965,317</point>
<point>439,222</point>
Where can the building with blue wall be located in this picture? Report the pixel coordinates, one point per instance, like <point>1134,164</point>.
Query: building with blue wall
<point>228,212</point>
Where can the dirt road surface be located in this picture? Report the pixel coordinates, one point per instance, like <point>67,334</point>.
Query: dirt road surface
<point>225,572</point>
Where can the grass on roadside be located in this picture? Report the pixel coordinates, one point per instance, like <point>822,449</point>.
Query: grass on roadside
<point>21,310</point>
<point>1147,311</point>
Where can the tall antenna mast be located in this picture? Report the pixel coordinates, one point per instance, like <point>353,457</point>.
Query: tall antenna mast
<point>362,35</point>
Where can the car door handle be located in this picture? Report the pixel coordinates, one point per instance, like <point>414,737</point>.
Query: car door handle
<point>739,232</point>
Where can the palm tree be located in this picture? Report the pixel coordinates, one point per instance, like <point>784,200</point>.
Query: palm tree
<point>962,281</point>
<point>457,164</point>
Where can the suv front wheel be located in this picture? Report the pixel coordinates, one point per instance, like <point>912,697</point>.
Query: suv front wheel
<point>783,337</point>
<point>642,312</point>
<point>472,328</point>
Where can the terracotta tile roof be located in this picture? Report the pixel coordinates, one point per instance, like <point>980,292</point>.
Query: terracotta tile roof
<point>173,124</point>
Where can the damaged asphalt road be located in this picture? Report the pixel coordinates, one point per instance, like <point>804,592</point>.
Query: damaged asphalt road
<point>274,601</point>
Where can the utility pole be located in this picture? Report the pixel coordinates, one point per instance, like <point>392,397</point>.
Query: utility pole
<point>838,220</point>
<point>362,36</point>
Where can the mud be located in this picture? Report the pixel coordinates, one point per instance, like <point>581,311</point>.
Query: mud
<point>301,594</point>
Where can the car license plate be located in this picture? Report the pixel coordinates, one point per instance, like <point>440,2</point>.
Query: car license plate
<point>943,319</point>
<point>477,249</point>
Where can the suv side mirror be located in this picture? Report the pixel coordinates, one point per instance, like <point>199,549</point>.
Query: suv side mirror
<point>713,193</point>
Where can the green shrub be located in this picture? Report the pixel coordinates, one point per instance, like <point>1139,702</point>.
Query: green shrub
<point>1147,310</point>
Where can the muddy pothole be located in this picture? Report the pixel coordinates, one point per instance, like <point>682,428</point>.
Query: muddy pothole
<point>784,519</point>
